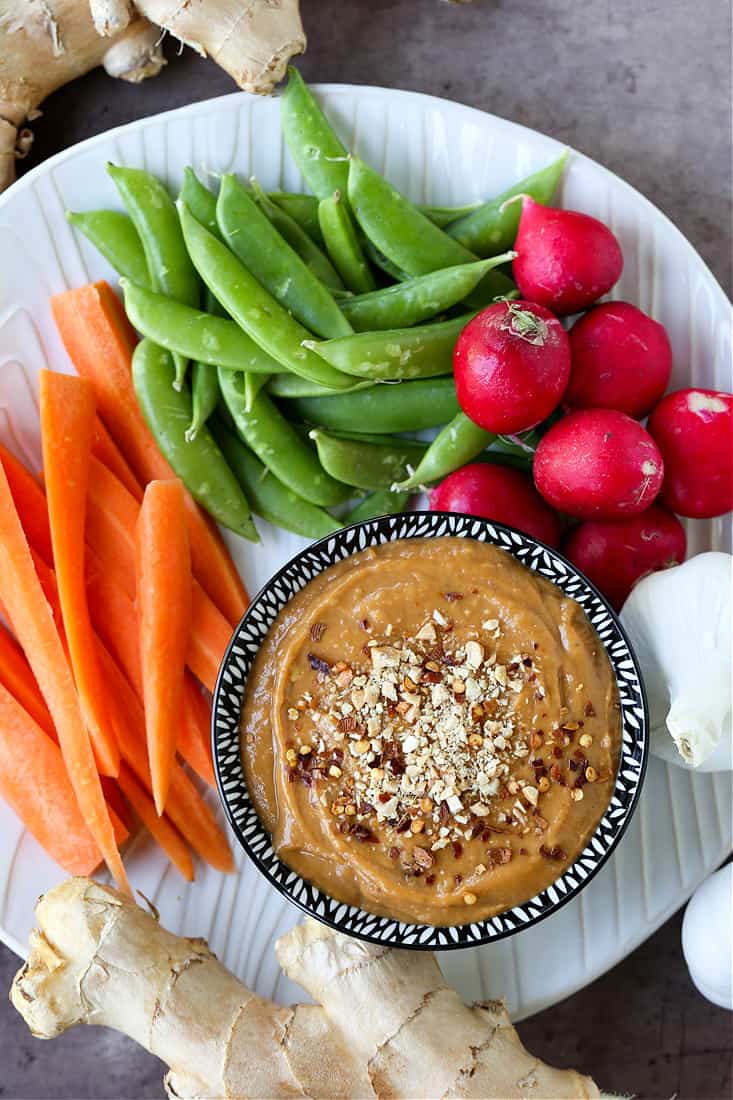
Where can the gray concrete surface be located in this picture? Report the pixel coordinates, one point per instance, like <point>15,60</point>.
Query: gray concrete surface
<point>644,86</point>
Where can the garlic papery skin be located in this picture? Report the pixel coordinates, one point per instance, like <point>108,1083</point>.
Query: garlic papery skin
<point>680,625</point>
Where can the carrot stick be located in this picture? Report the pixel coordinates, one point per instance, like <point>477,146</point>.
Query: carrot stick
<point>16,676</point>
<point>160,828</point>
<point>22,595</point>
<point>194,737</point>
<point>106,450</point>
<point>30,763</point>
<point>185,806</point>
<point>110,530</point>
<point>99,340</point>
<point>30,503</point>
<point>67,424</point>
<point>163,576</point>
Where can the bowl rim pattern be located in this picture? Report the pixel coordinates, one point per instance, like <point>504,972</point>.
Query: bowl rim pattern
<point>229,693</point>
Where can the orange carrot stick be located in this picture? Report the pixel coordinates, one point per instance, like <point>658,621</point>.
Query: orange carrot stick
<point>34,783</point>
<point>163,576</point>
<point>100,340</point>
<point>30,503</point>
<point>16,675</point>
<point>106,450</point>
<point>110,530</point>
<point>160,828</point>
<point>67,424</point>
<point>194,736</point>
<point>185,807</point>
<point>22,595</point>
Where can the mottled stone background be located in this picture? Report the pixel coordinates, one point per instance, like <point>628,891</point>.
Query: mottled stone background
<point>644,86</point>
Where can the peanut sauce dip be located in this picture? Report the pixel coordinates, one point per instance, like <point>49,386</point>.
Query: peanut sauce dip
<point>431,731</point>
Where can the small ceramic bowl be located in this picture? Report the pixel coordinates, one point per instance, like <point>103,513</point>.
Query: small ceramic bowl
<point>230,689</point>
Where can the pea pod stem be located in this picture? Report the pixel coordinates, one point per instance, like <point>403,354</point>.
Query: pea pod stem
<point>154,214</point>
<point>397,228</point>
<point>459,442</point>
<point>408,303</point>
<point>367,463</point>
<point>254,239</point>
<point>407,407</point>
<point>493,226</point>
<point>199,463</point>
<point>278,445</point>
<point>423,351</point>
<point>254,310</point>
<point>342,244</point>
<point>193,333</point>
<point>114,235</point>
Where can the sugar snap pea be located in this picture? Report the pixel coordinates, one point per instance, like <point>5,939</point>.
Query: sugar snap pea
<point>154,214</point>
<point>382,502</point>
<point>416,300</point>
<point>444,215</point>
<point>290,385</point>
<point>379,260</point>
<point>311,139</point>
<point>264,252</point>
<point>408,407</point>
<point>314,258</point>
<point>269,497</point>
<point>493,226</point>
<point>204,397</point>
<point>253,383</point>
<point>460,441</point>
<point>342,244</point>
<point>423,351</point>
<point>278,445</point>
<point>114,235</point>
<point>193,333</point>
<point>199,463</point>
<point>397,228</point>
<point>252,307</point>
<point>302,209</point>
<point>199,200</point>
<point>367,463</point>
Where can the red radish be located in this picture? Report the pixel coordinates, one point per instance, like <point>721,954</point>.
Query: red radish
<point>511,365</point>
<point>499,493</point>
<point>615,554</point>
<point>694,431</point>
<point>620,359</point>
<point>598,463</point>
<point>567,260</point>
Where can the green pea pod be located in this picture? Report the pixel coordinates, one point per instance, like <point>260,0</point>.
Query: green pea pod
<point>114,235</point>
<point>343,245</point>
<point>382,502</point>
<point>458,443</point>
<point>199,463</point>
<point>154,214</point>
<point>444,215</point>
<point>270,498</point>
<point>423,351</point>
<point>366,463</point>
<point>417,300</point>
<point>407,407</point>
<point>302,209</point>
<point>314,258</point>
<point>290,385</point>
<point>255,240</point>
<point>495,284</point>
<point>312,141</point>
<point>493,227</point>
<point>204,397</point>
<point>278,445</point>
<point>200,201</point>
<point>253,383</point>
<point>397,228</point>
<point>256,311</point>
<point>379,260</point>
<point>193,333</point>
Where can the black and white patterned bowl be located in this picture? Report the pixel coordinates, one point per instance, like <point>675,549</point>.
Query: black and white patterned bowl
<point>229,694</point>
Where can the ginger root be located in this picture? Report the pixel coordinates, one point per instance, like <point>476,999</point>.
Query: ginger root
<point>46,43</point>
<point>386,1024</point>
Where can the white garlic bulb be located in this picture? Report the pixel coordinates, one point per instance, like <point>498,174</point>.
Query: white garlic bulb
<point>707,937</point>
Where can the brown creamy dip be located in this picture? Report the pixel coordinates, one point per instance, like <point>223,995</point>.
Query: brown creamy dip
<point>431,731</point>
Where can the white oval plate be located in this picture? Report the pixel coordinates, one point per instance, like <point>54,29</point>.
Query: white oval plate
<point>439,152</point>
